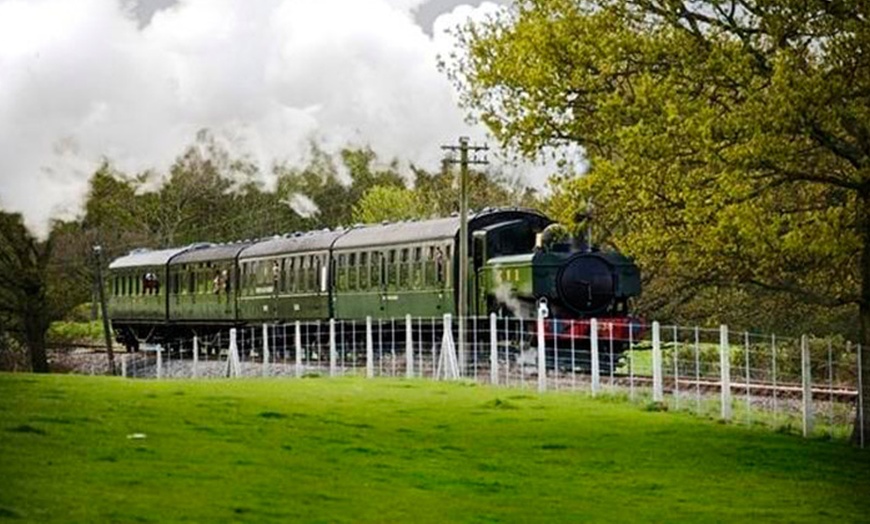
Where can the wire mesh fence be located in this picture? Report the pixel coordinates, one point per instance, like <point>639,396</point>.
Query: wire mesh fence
<point>803,385</point>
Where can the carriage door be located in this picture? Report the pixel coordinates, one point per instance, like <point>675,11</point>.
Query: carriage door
<point>478,257</point>
<point>382,282</point>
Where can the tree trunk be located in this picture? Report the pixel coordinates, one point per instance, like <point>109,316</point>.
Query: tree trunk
<point>861,432</point>
<point>35,334</point>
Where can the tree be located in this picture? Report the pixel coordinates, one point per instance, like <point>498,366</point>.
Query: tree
<point>195,194</point>
<point>389,203</point>
<point>439,192</point>
<point>729,139</point>
<point>24,265</point>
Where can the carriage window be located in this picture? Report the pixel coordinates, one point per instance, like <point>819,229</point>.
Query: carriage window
<point>191,282</point>
<point>315,275</point>
<point>115,287</point>
<point>392,257</point>
<point>374,269</point>
<point>340,260</point>
<point>351,259</point>
<point>405,255</point>
<point>301,281</point>
<point>439,265</point>
<point>418,254</point>
<point>363,271</point>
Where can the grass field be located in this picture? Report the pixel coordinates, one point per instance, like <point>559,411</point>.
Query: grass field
<point>350,450</point>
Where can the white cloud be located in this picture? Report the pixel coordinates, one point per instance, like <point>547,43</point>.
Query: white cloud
<point>80,80</point>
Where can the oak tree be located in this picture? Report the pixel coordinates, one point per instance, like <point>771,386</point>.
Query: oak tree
<point>729,140</point>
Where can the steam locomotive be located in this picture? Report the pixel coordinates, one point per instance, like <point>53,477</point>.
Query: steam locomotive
<point>383,270</point>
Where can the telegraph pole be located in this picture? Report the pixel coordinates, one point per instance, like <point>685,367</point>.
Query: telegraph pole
<point>464,161</point>
<point>107,330</point>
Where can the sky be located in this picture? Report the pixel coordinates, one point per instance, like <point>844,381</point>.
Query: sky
<point>132,81</point>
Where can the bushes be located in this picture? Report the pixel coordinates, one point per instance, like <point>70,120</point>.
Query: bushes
<point>841,366</point>
<point>68,333</point>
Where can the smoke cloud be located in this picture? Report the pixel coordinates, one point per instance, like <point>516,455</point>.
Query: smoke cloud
<point>84,80</point>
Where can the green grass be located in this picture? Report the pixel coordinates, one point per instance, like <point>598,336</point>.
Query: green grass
<point>351,450</point>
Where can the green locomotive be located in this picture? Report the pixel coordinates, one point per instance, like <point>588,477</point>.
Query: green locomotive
<point>385,270</point>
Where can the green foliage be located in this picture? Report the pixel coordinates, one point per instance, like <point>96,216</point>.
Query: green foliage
<point>395,451</point>
<point>823,351</point>
<point>25,307</point>
<point>208,195</point>
<point>728,140</point>
<point>71,333</point>
<point>389,203</point>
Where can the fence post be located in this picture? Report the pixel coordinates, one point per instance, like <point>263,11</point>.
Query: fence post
<point>297,340</point>
<point>332,351</point>
<point>233,365</point>
<point>725,371</point>
<point>493,350</point>
<point>861,436</point>
<point>370,349</point>
<point>806,382</point>
<point>159,349</point>
<point>593,351</point>
<point>409,347</point>
<point>542,362</point>
<point>266,358</point>
<point>195,371</point>
<point>676,350</point>
<point>124,366</point>
<point>748,378</point>
<point>631,361</point>
<point>448,366</point>
<point>658,389</point>
<point>773,376</point>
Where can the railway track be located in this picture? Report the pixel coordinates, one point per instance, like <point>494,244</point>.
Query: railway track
<point>760,389</point>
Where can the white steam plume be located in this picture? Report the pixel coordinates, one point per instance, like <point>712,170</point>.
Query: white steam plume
<point>83,80</point>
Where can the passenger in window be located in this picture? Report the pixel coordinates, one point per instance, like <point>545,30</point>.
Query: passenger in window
<point>216,282</point>
<point>439,264</point>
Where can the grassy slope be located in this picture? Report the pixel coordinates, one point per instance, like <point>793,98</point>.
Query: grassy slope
<point>352,450</point>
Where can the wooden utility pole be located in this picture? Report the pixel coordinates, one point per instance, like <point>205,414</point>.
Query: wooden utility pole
<point>107,330</point>
<point>462,302</point>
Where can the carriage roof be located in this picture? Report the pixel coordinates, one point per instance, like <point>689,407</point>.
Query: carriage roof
<point>213,253</point>
<point>399,233</point>
<point>295,243</point>
<point>430,230</point>
<point>149,257</point>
